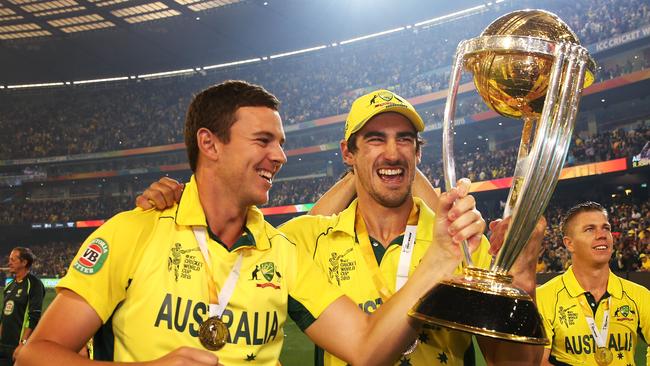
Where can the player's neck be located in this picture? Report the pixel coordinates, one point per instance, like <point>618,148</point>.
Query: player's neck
<point>384,223</point>
<point>21,274</point>
<point>592,279</point>
<point>224,215</point>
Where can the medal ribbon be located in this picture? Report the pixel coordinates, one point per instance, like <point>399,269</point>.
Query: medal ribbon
<point>406,253</point>
<point>218,300</point>
<point>599,336</point>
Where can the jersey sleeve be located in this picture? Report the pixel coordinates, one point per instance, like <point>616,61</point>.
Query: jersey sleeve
<point>302,231</point>
<point>311,292</point>
<point>102,268</point>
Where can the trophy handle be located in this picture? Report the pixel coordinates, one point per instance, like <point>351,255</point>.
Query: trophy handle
<point>550,146</point>
<point>448,161</point>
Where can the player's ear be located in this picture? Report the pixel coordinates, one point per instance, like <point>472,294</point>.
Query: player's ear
<point>346,154</point>
<point>208,143</point>
<point>568,243</point>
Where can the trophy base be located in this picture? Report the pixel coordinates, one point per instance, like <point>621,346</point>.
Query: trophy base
<point>483,303</point>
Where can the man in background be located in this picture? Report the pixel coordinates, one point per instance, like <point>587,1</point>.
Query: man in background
<point>591,315</point>
<point>23,301</point>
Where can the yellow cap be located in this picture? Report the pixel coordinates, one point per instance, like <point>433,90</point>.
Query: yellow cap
<point>379,101</point>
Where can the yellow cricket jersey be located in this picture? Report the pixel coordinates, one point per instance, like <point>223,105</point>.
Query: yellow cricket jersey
<point>143,273</point>
<point>571,340</point>
<point>333,244</point>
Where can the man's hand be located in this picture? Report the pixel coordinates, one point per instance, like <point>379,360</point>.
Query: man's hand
<point>161,194</point>
<point>523,270</point>
<point>187,356</point>
<point>457,219</point>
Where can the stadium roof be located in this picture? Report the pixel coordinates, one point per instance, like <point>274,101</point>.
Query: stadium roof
<point>66,40</point>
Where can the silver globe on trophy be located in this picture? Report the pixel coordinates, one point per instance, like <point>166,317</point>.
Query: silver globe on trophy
<point>528,65</point>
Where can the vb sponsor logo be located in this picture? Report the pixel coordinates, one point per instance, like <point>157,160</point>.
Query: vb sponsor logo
<point>93,257</point>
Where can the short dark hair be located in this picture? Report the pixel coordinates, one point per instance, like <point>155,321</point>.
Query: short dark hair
<point>25,254</point>
<point>577,209</point>
<point>214,108</point>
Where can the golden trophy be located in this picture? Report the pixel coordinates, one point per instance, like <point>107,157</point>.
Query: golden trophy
<point>528,65</point>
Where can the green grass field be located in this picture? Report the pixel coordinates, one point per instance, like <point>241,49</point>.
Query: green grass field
<point>298,349</point>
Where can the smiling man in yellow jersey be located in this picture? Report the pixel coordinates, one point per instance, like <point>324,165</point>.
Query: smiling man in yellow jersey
<point>361,249</point>
<point>591,315</point>
<point>365,249</point>
<point>157,286</point>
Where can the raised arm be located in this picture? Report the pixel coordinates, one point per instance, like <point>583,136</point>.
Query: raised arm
<point>423,188</point>
<point>337,198</point>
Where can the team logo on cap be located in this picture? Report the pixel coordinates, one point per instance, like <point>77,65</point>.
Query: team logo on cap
<point>386,96</point>
<point>93,257</point>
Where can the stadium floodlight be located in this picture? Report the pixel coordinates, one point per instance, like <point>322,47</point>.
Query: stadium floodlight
<point>452,16</point>
<point>40,85</point>
<point>250,60</point>
<point>297,52</point>
<point>99,80</point>
<point>166,74</point>
<point>372,35</point>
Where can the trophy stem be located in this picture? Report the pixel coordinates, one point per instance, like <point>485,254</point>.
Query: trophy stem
<point>522,164</point>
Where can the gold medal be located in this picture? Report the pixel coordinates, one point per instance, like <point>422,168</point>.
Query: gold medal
<point>213,334</point>
<point>603,356</point>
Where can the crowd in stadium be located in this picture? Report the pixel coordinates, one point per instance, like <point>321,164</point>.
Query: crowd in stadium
<point>481,166</point>
<point>150,113</point>
<point>64,210</point>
